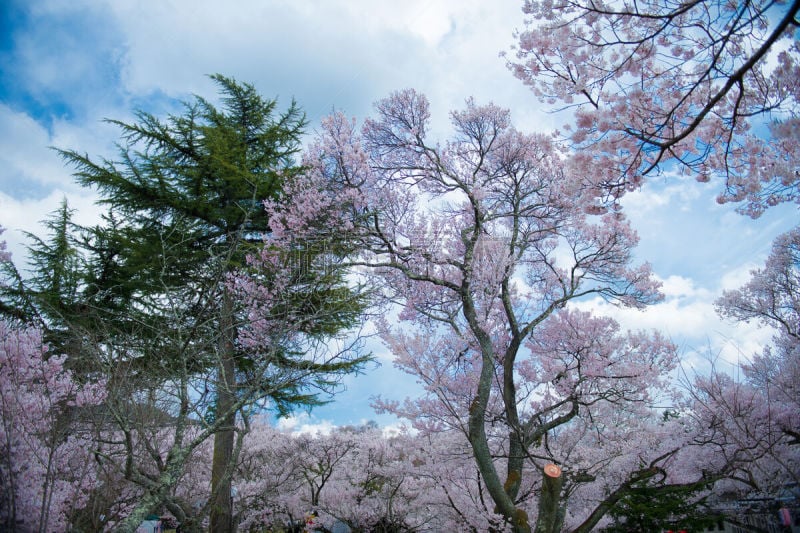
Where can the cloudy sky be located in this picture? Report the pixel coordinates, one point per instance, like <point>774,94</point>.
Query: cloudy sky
<point>67,65</point>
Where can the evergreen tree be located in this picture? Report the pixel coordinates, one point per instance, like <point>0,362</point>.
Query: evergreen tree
<point>658,508</point>
<point>48,293</point>
<point>185,199</point>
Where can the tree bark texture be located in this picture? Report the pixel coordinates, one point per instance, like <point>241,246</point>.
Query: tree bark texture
<point>549,498</point>
<point>222,507</point>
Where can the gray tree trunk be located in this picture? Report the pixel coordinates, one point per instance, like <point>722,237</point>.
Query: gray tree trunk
<point>222,505</point>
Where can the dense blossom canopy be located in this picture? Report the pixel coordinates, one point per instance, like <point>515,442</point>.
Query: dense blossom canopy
<point>697,83</point>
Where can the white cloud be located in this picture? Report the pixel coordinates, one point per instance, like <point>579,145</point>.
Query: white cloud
<point>676,317</point>
<point>306,424</point>
<point>398,428</point>
<point>303,423</point>
<point>344,54</point>
<point>30,164</point>
<point>736,277</point>
<point>34,178</point>
<point>655,196</point>
<point>687,316</point>
<point>25,157</point>
<point>679,286</point>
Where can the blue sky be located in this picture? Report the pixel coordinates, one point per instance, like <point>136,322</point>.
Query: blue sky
<point>67,65</point>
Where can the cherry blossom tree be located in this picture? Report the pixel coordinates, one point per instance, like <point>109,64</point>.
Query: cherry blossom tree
<point>357,476</point>
<point>46,466</point>
<point>382,485</point>
<point>768,399</point>
<point>659,81</point>
<point>772,296</point>
<point>482,242</point>
<point>456,493</point>
<point>267,481</point>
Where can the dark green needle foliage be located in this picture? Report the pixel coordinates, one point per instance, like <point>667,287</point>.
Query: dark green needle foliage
<point>657,508</point>
<point>185,200</point>
<point>185,208</point>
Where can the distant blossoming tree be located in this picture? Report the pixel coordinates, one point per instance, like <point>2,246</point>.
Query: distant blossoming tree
<point>46,466</point>
<point>357,476</point>
<point>769,399</point>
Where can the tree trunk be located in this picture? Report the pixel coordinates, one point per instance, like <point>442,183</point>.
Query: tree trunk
<point>476,435</point>
<point>222,505</point>
<point>548,519</point>
<point>155,495</point>
<point>144,507</point>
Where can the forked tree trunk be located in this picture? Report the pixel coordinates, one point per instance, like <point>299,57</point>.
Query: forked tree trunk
<point>154,496</point>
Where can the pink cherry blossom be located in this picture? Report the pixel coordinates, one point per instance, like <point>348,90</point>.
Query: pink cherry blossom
<point>658,82</point>
<point>45,461</point>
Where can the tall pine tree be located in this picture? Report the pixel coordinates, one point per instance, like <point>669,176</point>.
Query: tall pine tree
<point>185,197</point>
